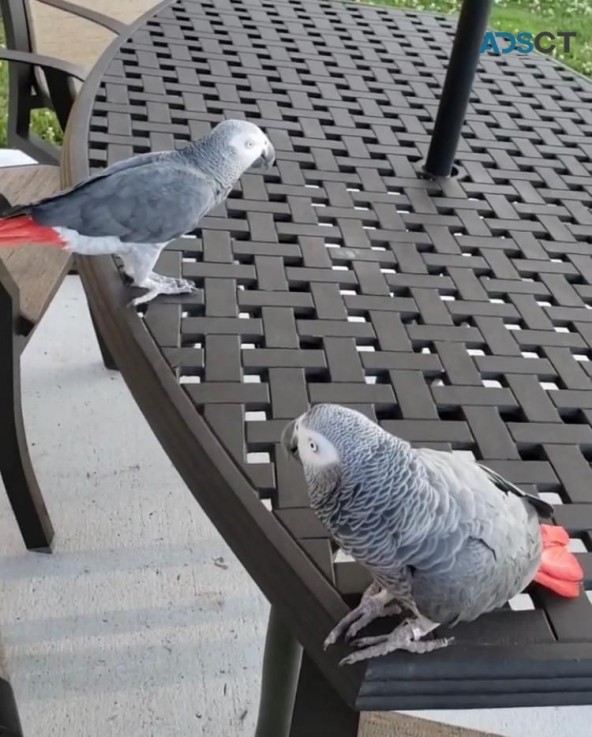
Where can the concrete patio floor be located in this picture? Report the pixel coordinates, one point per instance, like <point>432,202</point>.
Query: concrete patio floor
<point>85,40</point>
<point>142,622</point>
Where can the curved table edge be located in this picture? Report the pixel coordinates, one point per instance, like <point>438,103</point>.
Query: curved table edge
<point>181,430</point>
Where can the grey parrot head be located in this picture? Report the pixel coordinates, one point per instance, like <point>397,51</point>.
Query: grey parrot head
<point>332,442</point>
<point>251,146</point>
<point>231,148</point>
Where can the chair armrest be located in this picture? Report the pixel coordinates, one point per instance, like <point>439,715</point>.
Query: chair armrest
<point>47,63</point>
<point>106,21</point>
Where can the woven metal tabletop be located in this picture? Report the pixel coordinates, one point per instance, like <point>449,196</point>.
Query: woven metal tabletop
<point>457,313</point>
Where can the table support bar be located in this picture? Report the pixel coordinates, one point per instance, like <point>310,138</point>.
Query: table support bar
<point>281,668</point>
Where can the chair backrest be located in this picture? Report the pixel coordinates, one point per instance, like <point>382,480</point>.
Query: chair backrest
<point>16,19</point>
<point>17,29</point>
<point>26,87</point>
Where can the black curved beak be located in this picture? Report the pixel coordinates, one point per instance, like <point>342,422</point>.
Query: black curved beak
<point>289,440</point>
<point>267,158</point>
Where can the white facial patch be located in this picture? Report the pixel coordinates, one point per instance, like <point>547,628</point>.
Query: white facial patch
<point>250,145</point>
<point>314,449</point>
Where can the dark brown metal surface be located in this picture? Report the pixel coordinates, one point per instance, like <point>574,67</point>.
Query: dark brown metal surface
<point>16,469</point>
<point>456,313</point>
<point>10,725</point>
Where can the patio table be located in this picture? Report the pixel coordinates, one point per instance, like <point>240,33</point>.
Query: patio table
<point>454,311</point>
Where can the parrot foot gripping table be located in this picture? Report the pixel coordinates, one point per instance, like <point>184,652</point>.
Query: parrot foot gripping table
<point>455,311</point>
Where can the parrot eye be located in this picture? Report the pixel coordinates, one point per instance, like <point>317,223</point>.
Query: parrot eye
<point>250,144</point>
<point>312,445</point>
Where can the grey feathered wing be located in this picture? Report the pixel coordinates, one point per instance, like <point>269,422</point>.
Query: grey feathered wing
<point>544,509</point>
<point>153,202</point>
<point>130,163</point>
<point>498,542</point>
<point>482,510</point>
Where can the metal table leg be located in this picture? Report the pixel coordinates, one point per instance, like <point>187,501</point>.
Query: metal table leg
<point>281,668</point>
<point>464,58</point>
<point>10,725</point>
<point>319,710</point>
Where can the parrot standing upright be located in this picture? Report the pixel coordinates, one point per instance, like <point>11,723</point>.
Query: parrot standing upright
<point>135,207</point>
<point>443,537</point>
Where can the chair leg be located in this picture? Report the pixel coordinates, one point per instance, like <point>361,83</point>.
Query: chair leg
<point>281,665</point>
<point>319,710</point>
<point>15,463</point>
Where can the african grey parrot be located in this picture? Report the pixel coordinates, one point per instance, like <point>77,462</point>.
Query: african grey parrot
<point>135,207</point>
<point>444,537</point>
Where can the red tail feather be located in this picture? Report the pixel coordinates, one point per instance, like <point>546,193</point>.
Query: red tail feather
<point>560,570</point>
<point>23,230</point>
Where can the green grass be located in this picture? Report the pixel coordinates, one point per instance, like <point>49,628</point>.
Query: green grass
<point>507,15</point>
<point>529,15</point>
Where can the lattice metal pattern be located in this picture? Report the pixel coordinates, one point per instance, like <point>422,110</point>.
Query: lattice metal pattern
<point>456,314</point>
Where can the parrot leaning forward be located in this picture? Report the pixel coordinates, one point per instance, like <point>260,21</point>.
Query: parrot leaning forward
<point>135,207</point>
<point>445,538</point>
